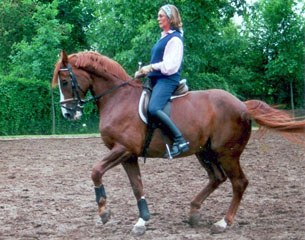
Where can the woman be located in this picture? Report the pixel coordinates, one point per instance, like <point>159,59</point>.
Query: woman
<point>164,72</point>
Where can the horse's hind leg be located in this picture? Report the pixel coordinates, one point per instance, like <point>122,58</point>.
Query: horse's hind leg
<point>239,184</point>
<point>132,169</point>
<point>208,160</point>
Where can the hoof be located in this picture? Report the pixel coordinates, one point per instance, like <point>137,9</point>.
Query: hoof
<point>219,227</point>
<point>105,216</point>
<point>194,220</point>
<point>139,229</point>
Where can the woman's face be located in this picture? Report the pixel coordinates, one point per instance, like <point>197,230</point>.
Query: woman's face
<point>163,20</point>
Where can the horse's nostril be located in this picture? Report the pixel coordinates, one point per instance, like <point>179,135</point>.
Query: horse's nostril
<point>68,115</point>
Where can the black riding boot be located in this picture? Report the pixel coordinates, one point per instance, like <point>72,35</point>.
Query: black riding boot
<point>180,145</point>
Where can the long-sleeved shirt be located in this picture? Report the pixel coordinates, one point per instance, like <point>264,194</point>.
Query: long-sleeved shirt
<point>172,58</point>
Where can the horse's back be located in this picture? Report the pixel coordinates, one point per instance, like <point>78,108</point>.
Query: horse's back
<point>225,102</point>
<point>213,114</point>
<point>219,103</point>
<point>220,99</point>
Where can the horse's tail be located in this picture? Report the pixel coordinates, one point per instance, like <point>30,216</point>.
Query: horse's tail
<point>277,120</point>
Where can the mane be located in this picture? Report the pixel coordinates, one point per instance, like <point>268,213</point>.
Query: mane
<point>93,62</point>
<point>99,64</point>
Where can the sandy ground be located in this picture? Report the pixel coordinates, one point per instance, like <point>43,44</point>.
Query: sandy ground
<point>46,193</point>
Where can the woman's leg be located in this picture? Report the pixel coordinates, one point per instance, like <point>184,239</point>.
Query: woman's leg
<point>162,91</point>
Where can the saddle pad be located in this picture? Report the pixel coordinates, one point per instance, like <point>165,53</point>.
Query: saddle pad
<point>143,104</point>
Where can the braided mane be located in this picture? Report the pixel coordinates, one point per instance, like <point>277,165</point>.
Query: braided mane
<point>98,63</point>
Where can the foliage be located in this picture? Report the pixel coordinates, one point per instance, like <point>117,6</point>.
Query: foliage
<point>35,58</point>
<point>24,107</point>
<point>78,15</point>
<point>275,31</point>
<point>16,25</point>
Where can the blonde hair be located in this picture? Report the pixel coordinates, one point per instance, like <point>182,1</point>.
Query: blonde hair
<point>174,17</point>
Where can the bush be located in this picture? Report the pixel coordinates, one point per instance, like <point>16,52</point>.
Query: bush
<point>203,81</point>
<point>26,108</point>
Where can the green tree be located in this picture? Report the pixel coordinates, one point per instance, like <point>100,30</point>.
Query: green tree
<point>16,24</point>
<point>275,31</point>
<point>35,58</point>
<point>78,14</point>
<point>34,24</point>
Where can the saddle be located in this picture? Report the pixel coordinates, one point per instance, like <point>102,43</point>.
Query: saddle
<point>181,91</point>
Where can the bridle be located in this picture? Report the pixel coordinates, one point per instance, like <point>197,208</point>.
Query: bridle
<point>76,89</point>
<point>76,100</point>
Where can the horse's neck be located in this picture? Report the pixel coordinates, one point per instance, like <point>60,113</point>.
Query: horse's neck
<point>103,84</point>
<point>122,100</point>
<point>118,100</point>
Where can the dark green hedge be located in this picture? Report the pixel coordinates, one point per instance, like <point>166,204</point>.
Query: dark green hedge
<point>26,108</point>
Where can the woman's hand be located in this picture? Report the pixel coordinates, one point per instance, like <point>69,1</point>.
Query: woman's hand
<point>143,71</point>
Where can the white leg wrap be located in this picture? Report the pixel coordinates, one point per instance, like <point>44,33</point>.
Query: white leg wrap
<point>140,223</point>
<point>139,228</point>
<point>222,223</point>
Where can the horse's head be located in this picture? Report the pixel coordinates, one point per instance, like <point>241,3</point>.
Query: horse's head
<point>73,86</point>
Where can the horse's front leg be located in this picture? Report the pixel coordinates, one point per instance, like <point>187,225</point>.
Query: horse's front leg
<point>132,169</point>
<point>117,155</point>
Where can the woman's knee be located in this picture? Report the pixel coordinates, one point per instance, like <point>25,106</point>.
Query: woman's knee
<point>152,110</point>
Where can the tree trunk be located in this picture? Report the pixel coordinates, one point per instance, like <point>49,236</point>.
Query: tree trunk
<point>291,97</point>
<point>53,113</point>
<point>303,105</point>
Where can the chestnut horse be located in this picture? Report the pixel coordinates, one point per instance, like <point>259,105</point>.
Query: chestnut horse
<point>216,124</point>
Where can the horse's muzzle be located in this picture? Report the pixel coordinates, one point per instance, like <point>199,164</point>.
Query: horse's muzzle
<point>72,115</point>
<point>71,109</point>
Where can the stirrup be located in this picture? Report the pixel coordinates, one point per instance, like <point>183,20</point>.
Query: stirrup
<point>176,149</point>
<point>168,153</point>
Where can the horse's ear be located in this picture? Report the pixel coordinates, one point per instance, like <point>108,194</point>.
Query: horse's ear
<point>64,58</point>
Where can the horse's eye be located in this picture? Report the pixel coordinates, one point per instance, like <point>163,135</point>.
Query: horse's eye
<point>64,83</point>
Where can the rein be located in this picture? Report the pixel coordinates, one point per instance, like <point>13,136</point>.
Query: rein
<point>76,86</point>
<point>95,98</point>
